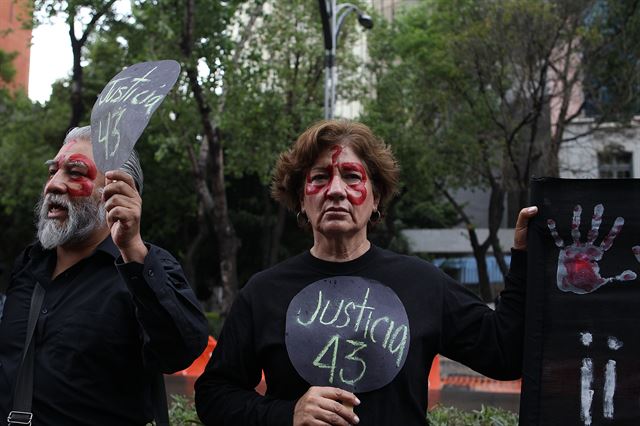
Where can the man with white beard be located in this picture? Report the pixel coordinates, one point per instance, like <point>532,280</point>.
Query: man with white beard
<point>116,311</point>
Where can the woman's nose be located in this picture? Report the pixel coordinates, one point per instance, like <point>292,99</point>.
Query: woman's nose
<point>337,188</point>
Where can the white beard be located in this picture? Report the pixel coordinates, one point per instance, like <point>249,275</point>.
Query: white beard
<point>84,215</point>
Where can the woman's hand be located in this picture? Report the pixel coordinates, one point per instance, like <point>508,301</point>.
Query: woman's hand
<point>325,406</point>
<point>520,234</point>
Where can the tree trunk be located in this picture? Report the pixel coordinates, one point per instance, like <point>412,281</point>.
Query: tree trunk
<point>77,77</point>
<point>496,213</point>
<point>480,254</point>
<point>479,250</point>
<point>213,197</point>
<point>276,235</point>
<point>190,259</point>
<point>77,83</point>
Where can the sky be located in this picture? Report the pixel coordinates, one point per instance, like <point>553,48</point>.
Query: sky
<point>51,59</point>
<point>51,56</point>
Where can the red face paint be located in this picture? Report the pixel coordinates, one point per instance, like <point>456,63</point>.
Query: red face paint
<point>77,185</point>
<point>85,182</point>
<point>356,192</point>
<point>359,188</point>
<point>66,147</point>
<point>337,150</point>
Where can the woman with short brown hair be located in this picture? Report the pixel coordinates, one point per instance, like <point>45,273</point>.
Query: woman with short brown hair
<point>348,323</point>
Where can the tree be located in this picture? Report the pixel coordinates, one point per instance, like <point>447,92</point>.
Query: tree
<point>261,88</point>
<point>90,16</point>
<point>7,70</point>
<point>489,88</point>
<point>23,152</point>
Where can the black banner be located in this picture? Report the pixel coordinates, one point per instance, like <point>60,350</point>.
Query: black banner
<point>582,345</point>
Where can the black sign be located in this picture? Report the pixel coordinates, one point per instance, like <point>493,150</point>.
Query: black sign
<point>347,332</point>
<point>123,109</point>
<point>582,351</point>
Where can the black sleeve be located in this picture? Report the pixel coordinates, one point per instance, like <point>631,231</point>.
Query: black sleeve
<point>225,394</point>
<point>174,329</point>
<point>487,341</point>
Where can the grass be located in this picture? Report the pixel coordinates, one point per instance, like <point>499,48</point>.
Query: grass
<point>182,412</point>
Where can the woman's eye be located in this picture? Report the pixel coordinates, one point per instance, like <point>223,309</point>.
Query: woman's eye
<point>318,178</point>
<point>353,177</point>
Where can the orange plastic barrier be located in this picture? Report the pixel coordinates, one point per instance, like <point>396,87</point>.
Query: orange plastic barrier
<point>197,367</point>
<point>435,382</point>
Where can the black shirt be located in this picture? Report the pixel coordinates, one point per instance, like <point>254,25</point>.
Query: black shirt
<point>105,328</point>
<point>443,318</point>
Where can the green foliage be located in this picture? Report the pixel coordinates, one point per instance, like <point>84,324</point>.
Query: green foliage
<point>182,412</point>
<point>23,152</point>
<point>486,416</point>
<point>463,88</point>
<point>216,321</point>
<point>7,70</point>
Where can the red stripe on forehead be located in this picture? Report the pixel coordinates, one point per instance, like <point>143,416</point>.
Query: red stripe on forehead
<point>337,150</point>
<point>67,146</point>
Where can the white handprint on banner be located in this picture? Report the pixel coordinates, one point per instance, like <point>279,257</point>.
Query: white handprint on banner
<point>578,268</point>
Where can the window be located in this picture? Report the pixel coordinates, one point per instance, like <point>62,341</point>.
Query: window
<point>614,162</point>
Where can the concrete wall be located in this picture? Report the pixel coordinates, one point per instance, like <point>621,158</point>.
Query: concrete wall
<point>451,241</point>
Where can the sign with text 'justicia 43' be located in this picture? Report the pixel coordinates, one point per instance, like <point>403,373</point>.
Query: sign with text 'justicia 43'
<point>347,332</point>
<point>124,107</point>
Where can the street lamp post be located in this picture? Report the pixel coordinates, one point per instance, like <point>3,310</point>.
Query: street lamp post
<point>333,16</point>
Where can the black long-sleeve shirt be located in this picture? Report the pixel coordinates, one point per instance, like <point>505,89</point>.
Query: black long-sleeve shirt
<point>443,317</point>
<point>104,330</point>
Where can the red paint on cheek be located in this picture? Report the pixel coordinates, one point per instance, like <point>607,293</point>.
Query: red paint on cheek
<point>312,188</point>
<point>84,188</point>
<point>359,188</point>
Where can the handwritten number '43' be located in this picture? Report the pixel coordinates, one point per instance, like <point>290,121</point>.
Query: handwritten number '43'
<point>115,132</point>
<point>334,342</point>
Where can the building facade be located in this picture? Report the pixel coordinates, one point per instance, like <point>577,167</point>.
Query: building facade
<point>16,38</point>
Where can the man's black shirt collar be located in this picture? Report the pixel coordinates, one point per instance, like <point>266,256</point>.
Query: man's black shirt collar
<point>45,259</point>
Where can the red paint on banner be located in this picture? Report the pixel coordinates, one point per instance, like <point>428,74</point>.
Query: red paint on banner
<point>581,273</point>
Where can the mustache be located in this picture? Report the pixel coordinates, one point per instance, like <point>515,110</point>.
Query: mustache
<point>56,200</point>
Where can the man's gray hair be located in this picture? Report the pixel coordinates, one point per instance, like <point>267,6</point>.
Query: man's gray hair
<point>131,166</point>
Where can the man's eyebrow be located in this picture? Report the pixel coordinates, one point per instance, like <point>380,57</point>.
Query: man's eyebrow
<point>50,163</point>
<point>77,163</point>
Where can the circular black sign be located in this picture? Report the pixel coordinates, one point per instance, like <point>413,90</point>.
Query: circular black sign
<point>123,109</point>
<point>347,332</point>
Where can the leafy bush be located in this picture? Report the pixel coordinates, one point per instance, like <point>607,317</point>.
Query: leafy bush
<point>486,416</point>
<point>215,323</point>
<point>183,412</point>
